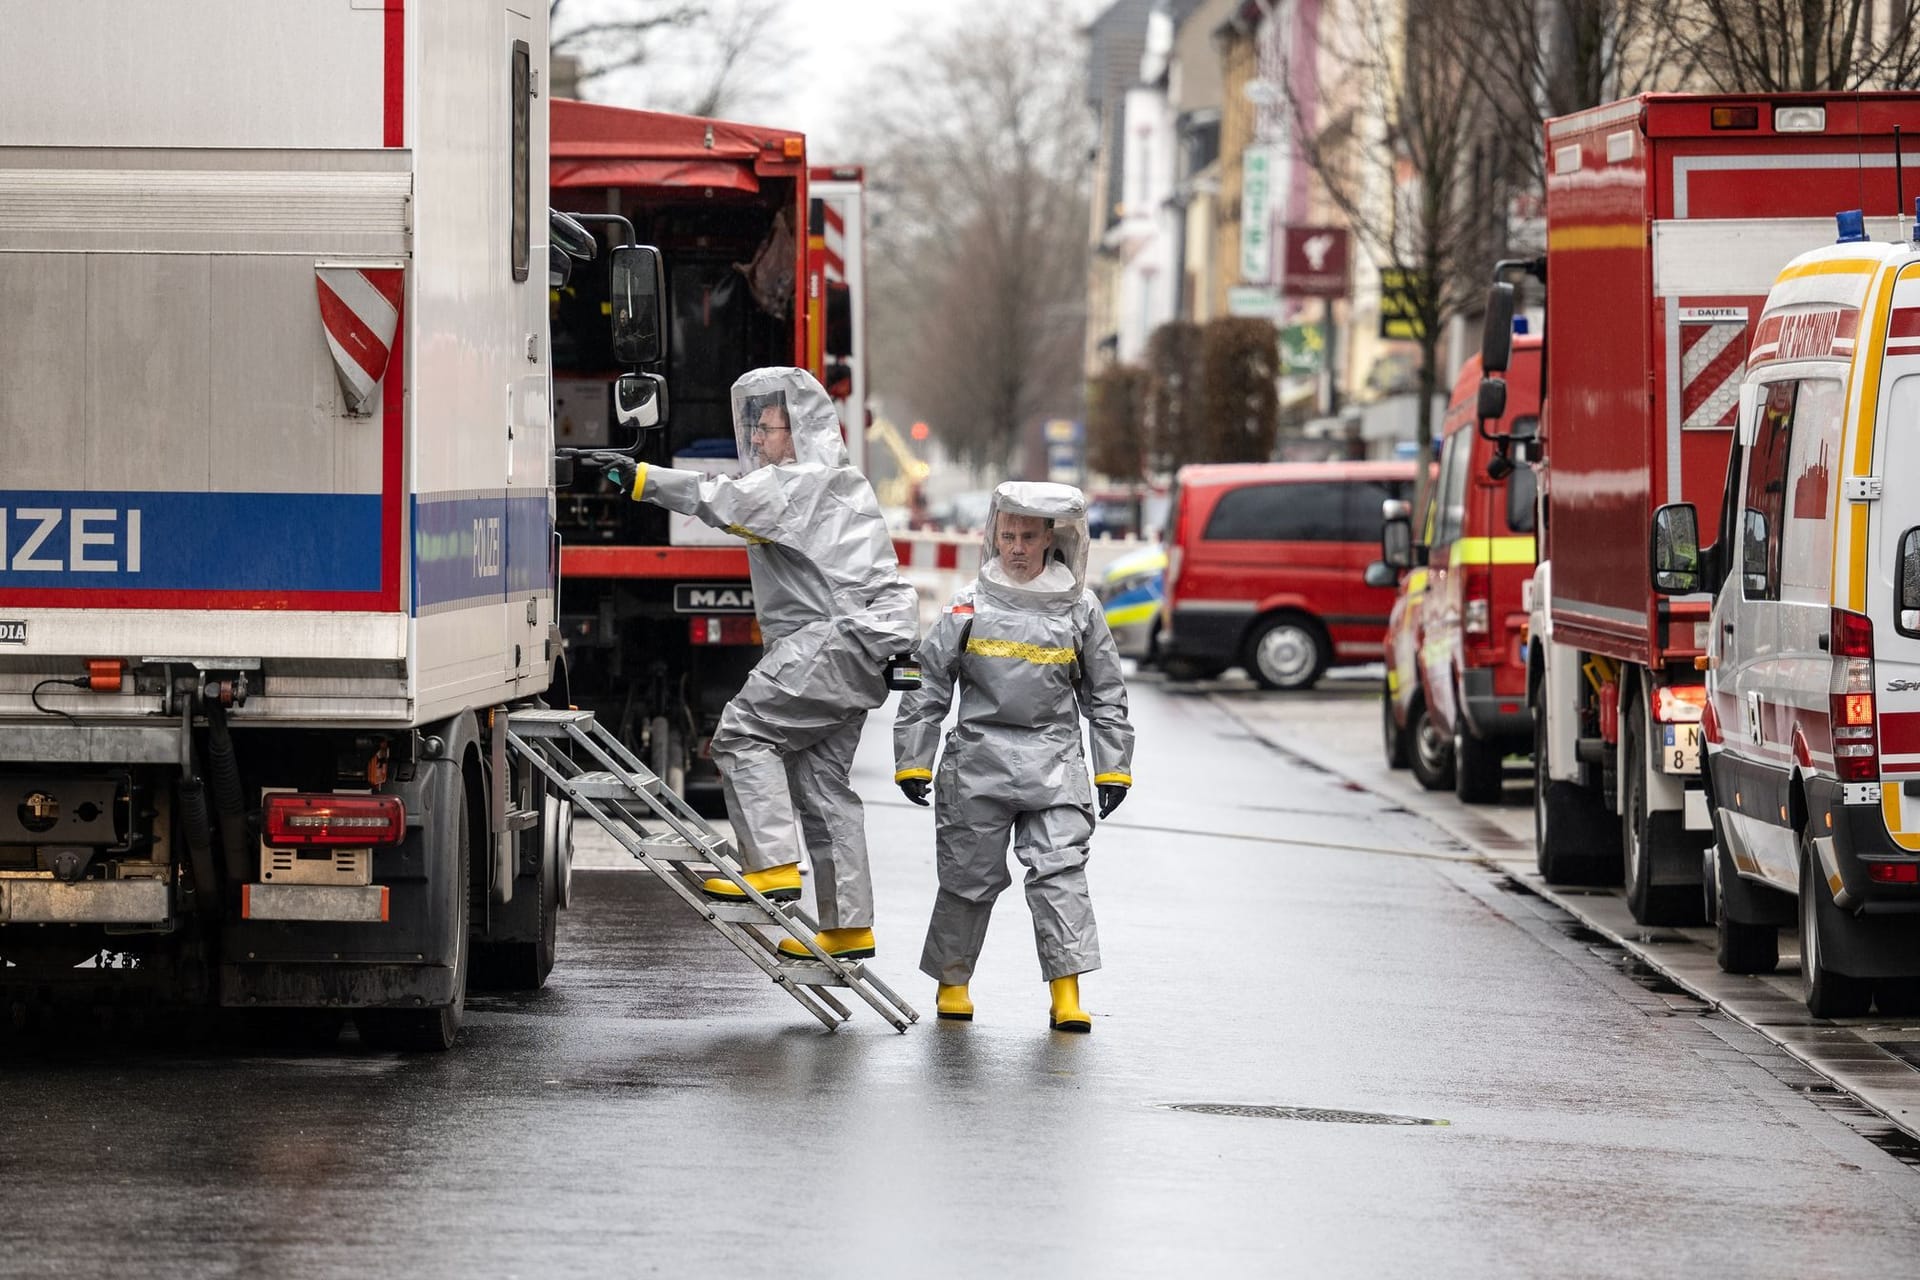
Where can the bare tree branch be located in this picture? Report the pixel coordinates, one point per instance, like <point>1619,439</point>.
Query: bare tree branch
<point>976,142</point>
<point>1406,158</point>
<point>1775,46</point>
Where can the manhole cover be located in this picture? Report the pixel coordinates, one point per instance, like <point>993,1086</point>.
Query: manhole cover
<point>1325,1115</point>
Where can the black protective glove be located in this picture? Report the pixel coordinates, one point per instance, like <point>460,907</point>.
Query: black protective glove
<point>1111,794</point>
<point>915,789</point>
<point>620,476</point>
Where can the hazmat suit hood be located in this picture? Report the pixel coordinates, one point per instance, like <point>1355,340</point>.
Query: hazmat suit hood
<point>1063,579</point>
<point>785,415</point>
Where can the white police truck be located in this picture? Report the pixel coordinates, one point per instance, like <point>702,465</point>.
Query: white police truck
<point>276,507</point>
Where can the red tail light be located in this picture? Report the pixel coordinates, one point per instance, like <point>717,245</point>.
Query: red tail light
<point>299,818</point>
<point>724,629</point>
<point>1476,612</point>
<point>1856,751</point>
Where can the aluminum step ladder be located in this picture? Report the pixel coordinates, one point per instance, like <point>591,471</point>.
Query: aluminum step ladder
<point>659,829</point>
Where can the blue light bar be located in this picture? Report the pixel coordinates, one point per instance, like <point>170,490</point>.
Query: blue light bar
<point>1853,227</point>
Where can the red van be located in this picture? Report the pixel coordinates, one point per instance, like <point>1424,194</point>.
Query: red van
<point>1455,701</point>
<point>1264,564</point>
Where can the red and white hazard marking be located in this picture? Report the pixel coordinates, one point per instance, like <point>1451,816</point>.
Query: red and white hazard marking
<point>360,310</point>
<point>1712,359</point>
<point>1903,331</point>
<point>956,552</point>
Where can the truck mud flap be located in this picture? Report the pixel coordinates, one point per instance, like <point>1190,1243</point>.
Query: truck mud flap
<point>347,986</point>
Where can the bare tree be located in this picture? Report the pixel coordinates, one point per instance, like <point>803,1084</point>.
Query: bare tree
<point>1401,158</point>
<point>1533,59</point>
<point>699,57</point>
<point>976,145</point>
<point>1806,45</point>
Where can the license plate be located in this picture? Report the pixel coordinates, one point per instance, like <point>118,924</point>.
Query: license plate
<point>1679,748</point>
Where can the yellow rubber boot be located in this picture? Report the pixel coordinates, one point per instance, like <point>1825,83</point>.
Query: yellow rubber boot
<point>1067,1015</point>
<point>779,884</point>
<point>841,944</point>
<point>953,1003</point>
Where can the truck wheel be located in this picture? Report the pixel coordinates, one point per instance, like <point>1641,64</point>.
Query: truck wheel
<point>1641,834</point>
<point>433,1030</point>
<point>1477,773</point>
<point>1392,737</point>
<point>1430,754</point>
<point>1829,994</point>
<point>1738,946</point>
<point>1574,837</point>
<point>1287,651</point>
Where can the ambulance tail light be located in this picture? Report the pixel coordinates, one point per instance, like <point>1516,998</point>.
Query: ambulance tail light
<point>1856,753</point>
<point>294,818</point>
<point>1680,703</point>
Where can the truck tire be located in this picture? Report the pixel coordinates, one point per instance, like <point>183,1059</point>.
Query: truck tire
<point>1829,994</point>
<point>1429,751</point>
<point>1477,765</point>
<point>434,1030</point>
<point>1392,737</point>
<point>523,964</point>
<point>1641,833</point>
<point>1287,651</point>
<point>1575,840</point>
<point>1738,946</point>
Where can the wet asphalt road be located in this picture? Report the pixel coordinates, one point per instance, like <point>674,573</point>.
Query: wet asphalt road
<point>1273,937</point>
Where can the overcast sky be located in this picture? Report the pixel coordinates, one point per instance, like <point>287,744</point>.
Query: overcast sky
<point>833,42</point>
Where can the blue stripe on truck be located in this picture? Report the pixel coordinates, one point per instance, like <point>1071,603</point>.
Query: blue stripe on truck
<point>473,548</point>
<point>269,542</point>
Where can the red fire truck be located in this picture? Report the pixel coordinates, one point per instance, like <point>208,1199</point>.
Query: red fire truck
<point>1667,217</point>
<point>657,609</point>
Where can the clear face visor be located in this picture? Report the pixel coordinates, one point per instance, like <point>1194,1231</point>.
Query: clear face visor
<point>1041,552</point>
<point>763,430</point>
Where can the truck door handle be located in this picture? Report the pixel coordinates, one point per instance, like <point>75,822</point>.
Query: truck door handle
<point>1726,628</point>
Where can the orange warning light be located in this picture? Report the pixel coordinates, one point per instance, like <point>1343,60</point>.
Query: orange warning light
<point>919,431</point>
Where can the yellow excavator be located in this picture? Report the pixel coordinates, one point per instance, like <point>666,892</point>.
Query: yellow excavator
<point>902,489</point>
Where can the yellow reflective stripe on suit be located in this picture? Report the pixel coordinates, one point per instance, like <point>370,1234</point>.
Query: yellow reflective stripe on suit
<point>987,647</point>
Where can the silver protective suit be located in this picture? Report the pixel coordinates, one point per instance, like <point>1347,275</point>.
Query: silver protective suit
<point>1030,660</point>
<point>832,608</point>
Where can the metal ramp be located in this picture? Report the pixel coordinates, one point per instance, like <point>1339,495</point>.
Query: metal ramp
<point>668,838</point>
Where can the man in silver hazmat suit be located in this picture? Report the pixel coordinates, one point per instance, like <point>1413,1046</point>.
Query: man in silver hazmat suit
<point>833,610</point>
<point>1028,646</point>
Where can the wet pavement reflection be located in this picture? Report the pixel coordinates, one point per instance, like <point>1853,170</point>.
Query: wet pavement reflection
<point>1280,947</point>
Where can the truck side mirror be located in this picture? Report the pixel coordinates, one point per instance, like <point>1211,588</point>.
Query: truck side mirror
<point>1396,534</point>
<point>640,400</point>
<point>638,294</point>
<point>1676,550</point>
<point>1907,620</point>
<point>1492,404</point>
<point>1496,339</point>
